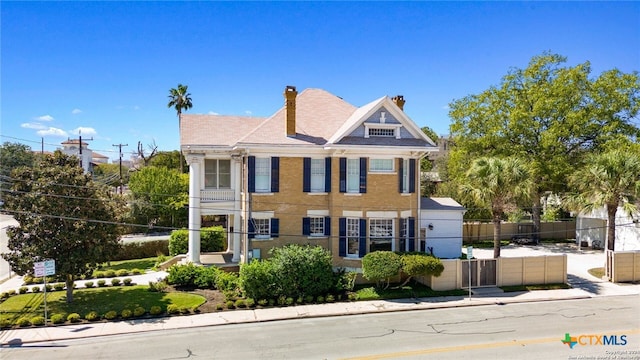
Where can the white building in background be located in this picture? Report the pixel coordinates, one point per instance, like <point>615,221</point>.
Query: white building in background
<point>441,227</point>
<point>75,148</point>
<point>591,230</point>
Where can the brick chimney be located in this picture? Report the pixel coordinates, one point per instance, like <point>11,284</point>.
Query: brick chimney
<point>290,94</point>
<point>399,100</point>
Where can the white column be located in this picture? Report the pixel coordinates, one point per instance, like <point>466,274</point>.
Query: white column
<point>237,208</point>
<point>195,167</point>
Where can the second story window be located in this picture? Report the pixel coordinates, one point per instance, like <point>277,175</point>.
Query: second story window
<point>382,132</point>
<point>317,175</point>
<point>353,175</point>
<point>263,174</point>
<point>381,165</point>
<point>217,174</point>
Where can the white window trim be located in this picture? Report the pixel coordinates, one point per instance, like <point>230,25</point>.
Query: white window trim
<point>217,173</point>
<point>393,231</point>
<point>263,236</point>
<point>268,187</point>
<point>316,235</point>
<point>357,223</point>
<point>357,190</point>
<point>320,189</point>
<point>390,171</point>
<point>368,126</point>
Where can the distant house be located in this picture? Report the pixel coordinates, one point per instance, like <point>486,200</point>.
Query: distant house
<point>319,171</point>
<point>591,230</point>
<point>99,159</point>
<point>441,227</point>
<point>74,147</point>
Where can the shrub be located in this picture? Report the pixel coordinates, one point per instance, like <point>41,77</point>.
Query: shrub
<point>256,279</point>
<point>183,275</point>
<point>23,290</point>
<point>11,292</point>
<point>330,298</point>
<point>115,281</point>
<point>127,281</point>
<point>250,302</point>
<point>308,299</point>
<point>126,314</point>
<point>140,250</point>
<point>206,277</point>
<point>109,273</point>
<point>263,302</point>
<point>57,318</point>
<point>302,270</point>
<point>230,304</point>
<point>219,307</point>
<point>421,264</point>
<point>320,299</point>
<point>122,272</point>
<point>37,321</point>
<point>88,284</point>
<point>212,239</point>
<point>368,293</point>
<point>27,280</point>
<point>380,266</point>
<point>155,310</point>
<point>240,303</point>
<point>4,295</point>
<point>73,317</point>
<point>92,316</point>
<point>35,289</point>
<point>158,286</point>
<point>102,283</point>
<point>227,281</point>
<point>282,301</point>
<point>110,315</point>
<point>48,287</point>
<point>136,272</point>
<point>58,286</point>
<point>139,311</point>
<point>98,274</point>
<point>23,322</point>
<point>272,302</point>
<point>5,323</point>
<point>173,309</point>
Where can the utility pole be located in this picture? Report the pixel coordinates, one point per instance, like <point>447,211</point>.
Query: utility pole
<point>120,151</point>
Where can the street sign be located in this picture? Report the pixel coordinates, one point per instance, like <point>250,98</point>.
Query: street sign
<point>44,268</point>
<point>469,252</point>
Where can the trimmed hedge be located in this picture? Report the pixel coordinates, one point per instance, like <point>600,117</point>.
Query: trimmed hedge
<point>212,239</point>
<point>141,250</point>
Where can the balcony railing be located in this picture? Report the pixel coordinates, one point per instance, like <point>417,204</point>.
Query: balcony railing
<point>207,195</point>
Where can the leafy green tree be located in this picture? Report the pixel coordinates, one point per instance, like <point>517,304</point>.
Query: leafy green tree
<point>169,159</point>
<point>302,271</point>
<point>381,266</point>
<point>109,174</point>
<point>13,155</point>
<point>548,113</point>
<point>159,196</point>
<point>610,179</point>
<point>420,265</point>
<point>494,184</point>
<point>62,215</point>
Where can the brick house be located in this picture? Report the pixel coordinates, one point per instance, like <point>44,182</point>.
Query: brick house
<point>319,171</point>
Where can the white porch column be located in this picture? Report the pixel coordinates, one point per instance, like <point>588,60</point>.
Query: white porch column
<point>195,162</point>
<point>237,208</point>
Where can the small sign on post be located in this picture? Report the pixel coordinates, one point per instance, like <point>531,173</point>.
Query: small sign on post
<point>44,269</point>
<point>469,256</point>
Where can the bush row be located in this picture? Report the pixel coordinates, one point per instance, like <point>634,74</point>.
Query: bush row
<point>98,274</point>
<point>141,250</point>
<point>61,286</point>
<point>212,239</point>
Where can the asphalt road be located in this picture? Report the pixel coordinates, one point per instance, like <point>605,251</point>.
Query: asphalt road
<point>515,331</point>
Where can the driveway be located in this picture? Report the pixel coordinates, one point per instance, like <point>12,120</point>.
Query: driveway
<point>579,261</point>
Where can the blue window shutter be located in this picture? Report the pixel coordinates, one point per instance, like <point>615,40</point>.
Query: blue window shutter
<point>275,227</point>
<point>252,173</point>
<point>327,226</point>
<point>400,170</point>
<point>412,234</point>
<point>252,229</point>
<point>306,226</point>
<point>275,174</point>
<point>362,249</point>
<point>343,175</point>
<point>306,175</point>
<point>412,175</point>
<point>363,175</point>
<point>327,174</point>
<point>342,244</point>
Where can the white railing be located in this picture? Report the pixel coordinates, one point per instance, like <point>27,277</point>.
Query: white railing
<point>217,195</point>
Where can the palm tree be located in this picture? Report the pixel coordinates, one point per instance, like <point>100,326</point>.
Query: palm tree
<point>495,184</point>
<point>180,99</point>
<point>610,179</point>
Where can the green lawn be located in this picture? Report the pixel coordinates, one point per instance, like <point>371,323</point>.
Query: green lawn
<point>100,300</point>
<point>141,264</point>
<point>597,272</point>
<point>411,290</point>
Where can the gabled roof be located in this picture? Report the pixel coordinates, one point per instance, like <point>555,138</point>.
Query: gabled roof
<point>216,130</point>
<point>439,203</point>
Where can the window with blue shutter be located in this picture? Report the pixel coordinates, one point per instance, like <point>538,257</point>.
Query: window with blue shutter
<point>363,175</point>
<point>412,234</point>
<point>343,175</point>
<point>401,175</point>
<point>412,175</point>
<point>306,226</point>
<point>251,164</point>
<point>252,229</point>
<point>306,175</point>
<point>363,238</point>
<point>327,226</point>
<point>275,174</point>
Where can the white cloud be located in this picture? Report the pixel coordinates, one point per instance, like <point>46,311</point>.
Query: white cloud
<point>76,111</point>
<point>36,126</point>
<point>248,112</point>
<point>84,131</point>
<point>45,118</point>
<point>446,107</point>
<point>51,131</point>
<point>213,113</point>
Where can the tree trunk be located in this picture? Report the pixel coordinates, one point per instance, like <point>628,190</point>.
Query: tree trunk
<point>497,230</point>
<point>69,284</point>
<point>535,216</point>
<point>611,226</point>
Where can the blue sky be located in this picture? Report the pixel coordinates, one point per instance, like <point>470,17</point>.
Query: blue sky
<point>105,68</point>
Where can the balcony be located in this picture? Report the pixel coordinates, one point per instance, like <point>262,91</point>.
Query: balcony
<point>209,195</point>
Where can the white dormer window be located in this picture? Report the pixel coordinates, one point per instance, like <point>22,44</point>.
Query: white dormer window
<point>382,130</point>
